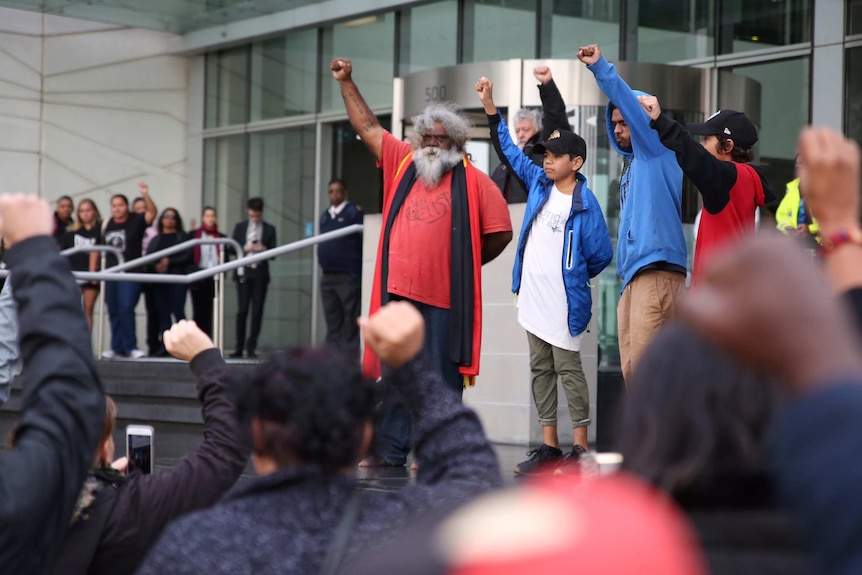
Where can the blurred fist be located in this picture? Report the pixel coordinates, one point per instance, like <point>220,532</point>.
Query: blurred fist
<point>185,340</point>
<point>23,217</point>
<point>804,347</point>
<point>589,55</point>
<point>485,88</point>
<point>650,106</point>
<point>396,333</point>
<point>542,74</point>
<point>121,465</point>
<point>829,178</point>
<point>341,69</point>
<point>144,188</point>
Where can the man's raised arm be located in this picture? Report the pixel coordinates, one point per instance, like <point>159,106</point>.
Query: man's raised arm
<point>361,117</point>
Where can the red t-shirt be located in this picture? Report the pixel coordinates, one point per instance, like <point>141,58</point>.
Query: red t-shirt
<point>420,242</point>
<point>735,221</point>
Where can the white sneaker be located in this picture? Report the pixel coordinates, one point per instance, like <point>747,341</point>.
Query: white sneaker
<point>108,354</point>
<point>137,354</point>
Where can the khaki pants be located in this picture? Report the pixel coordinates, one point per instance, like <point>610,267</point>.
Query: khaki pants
<point>647,303</point>
<point>546,363</point>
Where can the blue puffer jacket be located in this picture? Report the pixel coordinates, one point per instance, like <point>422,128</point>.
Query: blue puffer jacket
<point>587,245</point>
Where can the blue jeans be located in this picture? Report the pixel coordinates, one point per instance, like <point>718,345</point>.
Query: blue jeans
<point>392,423</point>
<point>122,297</point>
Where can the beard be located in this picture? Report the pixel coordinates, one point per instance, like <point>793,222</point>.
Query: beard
<point>433,163</point>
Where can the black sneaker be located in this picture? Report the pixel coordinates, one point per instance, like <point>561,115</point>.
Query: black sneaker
<point>571,463</point>
<point>542,461</point>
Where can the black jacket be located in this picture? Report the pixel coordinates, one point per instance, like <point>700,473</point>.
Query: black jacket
<point>344,254</point>
<point>178,263</point>
<point>62,410</point>
<point>268,240</point>
<point>283,523</point>
<point>128,514</point>
<point>553,118</point>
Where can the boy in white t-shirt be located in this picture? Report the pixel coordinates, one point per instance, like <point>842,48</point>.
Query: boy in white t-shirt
<point>564,242</point>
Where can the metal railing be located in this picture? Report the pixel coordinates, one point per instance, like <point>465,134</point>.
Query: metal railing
<point>118,272</point>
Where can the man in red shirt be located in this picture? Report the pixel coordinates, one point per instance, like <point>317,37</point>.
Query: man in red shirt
<point>732,189</point>
<point>442,219</point>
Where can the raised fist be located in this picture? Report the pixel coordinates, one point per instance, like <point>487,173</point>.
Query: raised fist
<point>23,217</point>
<point>542,74</point>
<point>651,106</point>
<point>341,69</point>
<point>589,55</point>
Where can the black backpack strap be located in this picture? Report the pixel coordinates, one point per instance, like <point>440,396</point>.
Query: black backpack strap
<point>338,545</point>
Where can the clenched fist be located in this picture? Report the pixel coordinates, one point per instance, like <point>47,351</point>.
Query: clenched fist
<point>589,55</point>
<point>185,340</point>
<point>542,74</point>
<point>651,106</point>
<point>396,333</point>
<point>485,88</point>
<point>341,69</point>
<point>23,217</point>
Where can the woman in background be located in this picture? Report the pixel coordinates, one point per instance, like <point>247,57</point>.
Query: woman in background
<point>87,231</point>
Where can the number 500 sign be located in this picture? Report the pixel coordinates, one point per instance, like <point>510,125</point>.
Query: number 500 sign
<point>435,93</point>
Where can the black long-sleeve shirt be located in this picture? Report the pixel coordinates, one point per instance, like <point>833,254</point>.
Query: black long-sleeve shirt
<point>62,410</point>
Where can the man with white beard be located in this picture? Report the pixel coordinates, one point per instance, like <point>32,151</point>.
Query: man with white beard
<point>442,219</point>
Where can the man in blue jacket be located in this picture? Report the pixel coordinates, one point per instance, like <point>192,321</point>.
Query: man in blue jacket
<point>341,262</point>
<point>651,251</point>
<point>564,242</point>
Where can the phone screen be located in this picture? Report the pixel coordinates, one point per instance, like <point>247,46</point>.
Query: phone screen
<point>140,450</point>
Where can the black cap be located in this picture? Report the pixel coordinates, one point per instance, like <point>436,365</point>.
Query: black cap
<point>563,142</point>
<point>730,124</point>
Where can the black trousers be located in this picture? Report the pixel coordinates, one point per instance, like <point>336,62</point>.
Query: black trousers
<point>202,293</point>
<point>340,295</point>
<point>154,340</point>
<point>251,292</point>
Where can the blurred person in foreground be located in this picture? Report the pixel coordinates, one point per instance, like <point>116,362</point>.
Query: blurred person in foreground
<point>118,517</point>
<point>63,402</point>
<point>310,412</point>
<point>815,352</point>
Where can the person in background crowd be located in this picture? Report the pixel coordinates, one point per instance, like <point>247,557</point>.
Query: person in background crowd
<point>63,219</point>
<point>794,218</point>
<point>139,206</point>
<point>62,402</point>
<point>86,232</point>
<point>442,220</point>
<point>205,256</point>
<point>309,413</point>
<point>170,297</point>
<point>696,425</point>
<point>720,166</point>
<point>255,235</point>
<point>118,517</point>
<point>125,231</point>
<point>652,266</point>
<point>341,262</point>
<point>530,129</point>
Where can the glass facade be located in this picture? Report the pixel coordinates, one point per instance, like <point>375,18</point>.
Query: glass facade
<point>286,77</point>
<point>853,94</point>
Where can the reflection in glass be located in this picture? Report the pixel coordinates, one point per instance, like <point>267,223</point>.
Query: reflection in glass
<point>284,75</point>
<point>574,24</point>
<point>674,30</point>
<point>281,171</point>
<point>854,17</point>
<point>853,95</point>
<point>369,43</point>
<point>499,30</point>
<point>785,111</point>
<point>355,164</point>
<point>429,37</point>
<point>226,88</point>
<point>755,24</point>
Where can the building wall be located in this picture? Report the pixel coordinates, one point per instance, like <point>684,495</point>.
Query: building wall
<point>88,110</point>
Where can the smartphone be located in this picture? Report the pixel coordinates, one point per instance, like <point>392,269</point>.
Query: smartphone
<point>139,447</point>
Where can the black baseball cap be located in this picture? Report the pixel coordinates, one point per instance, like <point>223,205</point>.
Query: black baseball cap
<point>563,142</point>
<point>730,124</point>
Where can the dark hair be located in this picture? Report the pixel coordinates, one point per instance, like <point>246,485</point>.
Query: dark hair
<point>121,197</point>
<point>61,198</point>
<point>179,220</point>
<point>692,415</point>
<point>312,405</point>
<point>254,204</point>
<point>338,181</point>
<point>139,199</point>
<point>737,154</point>
<point>203,211</point>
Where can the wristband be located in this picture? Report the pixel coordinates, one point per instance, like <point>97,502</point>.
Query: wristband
<point>839,238</point>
